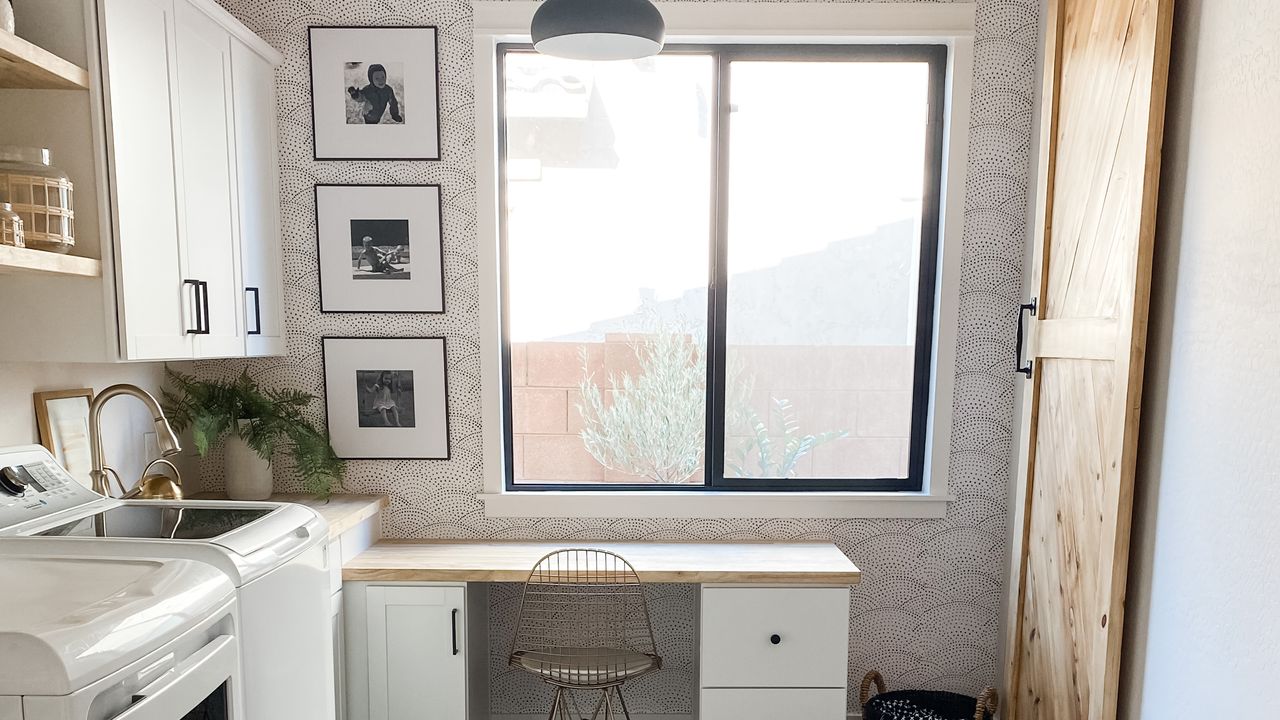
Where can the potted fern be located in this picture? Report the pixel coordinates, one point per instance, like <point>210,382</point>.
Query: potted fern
<point>254,423</point>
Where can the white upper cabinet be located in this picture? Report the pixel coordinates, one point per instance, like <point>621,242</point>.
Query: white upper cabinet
<point>138,78</point>
<point>207,179</point>
<point>173,152</point>
<point>259,200</point>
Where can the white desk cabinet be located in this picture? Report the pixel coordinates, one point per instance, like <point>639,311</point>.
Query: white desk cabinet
<point>770,649</point>
<point>415,651</point>
<point>417,667</point>
<point>173,153</point>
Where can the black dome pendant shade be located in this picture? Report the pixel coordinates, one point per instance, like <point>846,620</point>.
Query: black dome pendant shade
<point>598,29</point>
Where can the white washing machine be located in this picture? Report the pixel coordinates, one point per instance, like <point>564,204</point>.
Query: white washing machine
<point>276,554</point>
<point>117,639</point>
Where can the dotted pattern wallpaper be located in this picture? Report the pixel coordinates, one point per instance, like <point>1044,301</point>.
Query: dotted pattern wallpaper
<point>927,612</point>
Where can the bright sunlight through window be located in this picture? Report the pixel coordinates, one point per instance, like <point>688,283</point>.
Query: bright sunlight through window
<point>719,266</point>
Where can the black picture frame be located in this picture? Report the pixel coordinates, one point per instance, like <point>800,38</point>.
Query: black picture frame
<point>326,264</point>
<point>336,439</point>
<point>355,30</point>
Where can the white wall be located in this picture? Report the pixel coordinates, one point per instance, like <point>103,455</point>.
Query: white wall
<point>1204,620</point>
<point>124,419</point>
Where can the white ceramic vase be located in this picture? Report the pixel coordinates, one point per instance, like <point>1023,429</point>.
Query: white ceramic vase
<point>248,475</point>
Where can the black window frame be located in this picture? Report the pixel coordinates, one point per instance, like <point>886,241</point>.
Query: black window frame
<point>723,55</point>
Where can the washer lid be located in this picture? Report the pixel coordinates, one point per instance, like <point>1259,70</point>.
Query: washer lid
<point>68,622</point>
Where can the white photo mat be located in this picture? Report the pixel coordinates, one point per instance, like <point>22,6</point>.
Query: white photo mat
<point>410,50</point>
<point>337,206</point>
<point>354,429</point>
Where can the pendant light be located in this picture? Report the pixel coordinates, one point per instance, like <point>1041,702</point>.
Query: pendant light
<point>598,29</point>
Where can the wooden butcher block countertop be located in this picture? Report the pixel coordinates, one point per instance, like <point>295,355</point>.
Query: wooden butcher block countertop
<point>755,563</point>
<point>341,511</point>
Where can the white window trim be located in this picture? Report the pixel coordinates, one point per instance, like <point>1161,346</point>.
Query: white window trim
<point>952,24</point>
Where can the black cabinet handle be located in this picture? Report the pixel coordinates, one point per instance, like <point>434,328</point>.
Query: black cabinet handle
<point>1018,366</point>
<point>204,301</point>
<point>257,311</point>
<point>453,624</point>
<point>200,302</point>
<point>775,639</point>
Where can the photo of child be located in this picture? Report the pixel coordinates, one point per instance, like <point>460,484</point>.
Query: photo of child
<point>385,398</point>
<point>375,93</point>
<point>380,249</point>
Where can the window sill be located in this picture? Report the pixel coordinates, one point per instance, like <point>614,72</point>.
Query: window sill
<point>714,505</point>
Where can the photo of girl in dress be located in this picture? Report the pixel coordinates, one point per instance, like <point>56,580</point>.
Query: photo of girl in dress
<point>375,93</point>
<point>385,398</point>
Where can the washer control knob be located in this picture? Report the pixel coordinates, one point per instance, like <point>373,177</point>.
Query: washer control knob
<point>13,480</point>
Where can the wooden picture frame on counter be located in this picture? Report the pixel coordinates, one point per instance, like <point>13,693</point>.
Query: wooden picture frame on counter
<point>62,419</point>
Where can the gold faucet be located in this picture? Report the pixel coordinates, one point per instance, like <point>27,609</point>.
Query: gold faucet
<point>165,438</point>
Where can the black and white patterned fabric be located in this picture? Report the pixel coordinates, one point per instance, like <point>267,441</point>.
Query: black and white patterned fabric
<point>920,705</point>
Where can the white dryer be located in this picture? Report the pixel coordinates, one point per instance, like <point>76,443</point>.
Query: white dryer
<point>117,639</point>
<point>276,554</point>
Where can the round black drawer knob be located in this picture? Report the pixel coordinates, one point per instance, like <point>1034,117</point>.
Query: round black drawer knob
<point>775,639</point>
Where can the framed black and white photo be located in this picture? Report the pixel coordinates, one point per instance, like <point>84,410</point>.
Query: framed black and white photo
<point>387,398</point>
<point>375,93</point>
<point>379,248</point>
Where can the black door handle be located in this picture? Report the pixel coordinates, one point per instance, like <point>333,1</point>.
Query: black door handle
<point>200,303</point>
<point>1018,366</point>
<point>257,311</point>
<point>453,622</point>
<point>204,302</point>
<point>775,639</point>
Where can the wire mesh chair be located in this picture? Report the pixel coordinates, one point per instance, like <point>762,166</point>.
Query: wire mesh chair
<point>584,624</point>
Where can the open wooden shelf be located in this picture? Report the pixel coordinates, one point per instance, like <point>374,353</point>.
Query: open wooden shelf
<point>15,260</point>
<point>23,65</point>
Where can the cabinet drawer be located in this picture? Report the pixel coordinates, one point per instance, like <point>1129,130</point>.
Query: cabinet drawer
<point>773,703</point>
<point>740,627</point>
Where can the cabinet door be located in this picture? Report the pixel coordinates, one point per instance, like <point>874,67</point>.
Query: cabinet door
<point>417,653</point>
<point>207,163</point>
<point>257,162</point>
<point>156,308</point>
<point>339,656</point>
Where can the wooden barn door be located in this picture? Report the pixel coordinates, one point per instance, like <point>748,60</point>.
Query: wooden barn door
<point>1106,73</point>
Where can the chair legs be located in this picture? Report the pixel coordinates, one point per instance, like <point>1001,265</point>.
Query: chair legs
<point>605,707</point>
<point>606,703</point>
<point>623,703</point>
<point>559,706</point>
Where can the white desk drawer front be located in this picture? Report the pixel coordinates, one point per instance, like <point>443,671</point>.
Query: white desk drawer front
<point>775,637</point>
<point>773,704</point>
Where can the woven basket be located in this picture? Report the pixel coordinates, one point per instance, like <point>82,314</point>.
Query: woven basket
<point>44,204</point>
<point>923,704</point>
